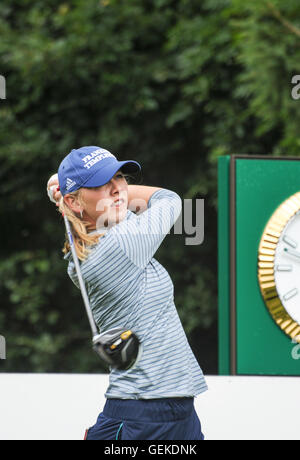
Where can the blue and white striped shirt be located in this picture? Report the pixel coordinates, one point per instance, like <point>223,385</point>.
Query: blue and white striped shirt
<point>128,288</point>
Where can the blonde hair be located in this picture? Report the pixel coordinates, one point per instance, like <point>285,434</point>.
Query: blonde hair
<point>83,240</point>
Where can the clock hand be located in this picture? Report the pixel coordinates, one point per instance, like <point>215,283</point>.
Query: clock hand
<point>292,252</point>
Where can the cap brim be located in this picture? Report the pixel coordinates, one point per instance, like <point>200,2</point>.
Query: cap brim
<point>104,175</point>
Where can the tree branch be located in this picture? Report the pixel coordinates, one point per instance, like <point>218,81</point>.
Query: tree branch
<point>277,14</point>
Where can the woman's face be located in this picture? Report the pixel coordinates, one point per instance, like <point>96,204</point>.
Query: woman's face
<point>106,205</point>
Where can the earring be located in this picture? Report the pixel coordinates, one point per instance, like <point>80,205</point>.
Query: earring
<point>81,213</point>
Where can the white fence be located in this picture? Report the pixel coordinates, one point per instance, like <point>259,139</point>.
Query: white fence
<point>61,406</point>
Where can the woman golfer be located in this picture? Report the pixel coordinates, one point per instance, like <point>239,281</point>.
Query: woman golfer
<point>128,288</point>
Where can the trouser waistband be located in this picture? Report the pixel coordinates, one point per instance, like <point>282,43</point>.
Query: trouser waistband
<point>149,410</point>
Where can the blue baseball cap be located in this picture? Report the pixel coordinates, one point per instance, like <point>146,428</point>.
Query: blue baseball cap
<point>90,167</point>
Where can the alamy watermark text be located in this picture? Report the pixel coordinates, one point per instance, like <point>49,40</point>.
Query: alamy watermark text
<point>296,88</point>
<point>186,218</point>
<point>2,347</point>
<point>2,87</point>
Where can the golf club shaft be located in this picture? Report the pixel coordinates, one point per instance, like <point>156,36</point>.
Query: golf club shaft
<point>80,279</point>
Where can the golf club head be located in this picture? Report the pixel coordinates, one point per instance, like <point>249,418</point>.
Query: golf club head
<point>118,348</point>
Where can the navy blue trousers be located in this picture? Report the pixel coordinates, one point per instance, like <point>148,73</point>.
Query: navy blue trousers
<point>153,419</point>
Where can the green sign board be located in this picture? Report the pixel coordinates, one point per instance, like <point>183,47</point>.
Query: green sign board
<point>259,318</point>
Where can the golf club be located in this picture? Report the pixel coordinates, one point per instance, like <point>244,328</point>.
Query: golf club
<point>119,348</point>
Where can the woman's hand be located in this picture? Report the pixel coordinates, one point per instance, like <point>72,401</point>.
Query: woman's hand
<point>53,189</point>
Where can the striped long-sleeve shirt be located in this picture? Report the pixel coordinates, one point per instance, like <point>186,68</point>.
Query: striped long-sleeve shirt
<point>129,288</point>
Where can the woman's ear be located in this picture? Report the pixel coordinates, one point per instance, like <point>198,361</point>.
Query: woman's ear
<point>73,203</point>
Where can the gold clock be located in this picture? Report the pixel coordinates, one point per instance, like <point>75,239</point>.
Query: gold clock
<point>279,266</point>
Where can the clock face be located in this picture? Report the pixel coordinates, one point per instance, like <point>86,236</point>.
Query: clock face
<point>287,267</point>
<point>279,266</point>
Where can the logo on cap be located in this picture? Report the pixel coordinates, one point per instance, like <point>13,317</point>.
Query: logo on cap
<point>70,183</point>
<point>93,157</point>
